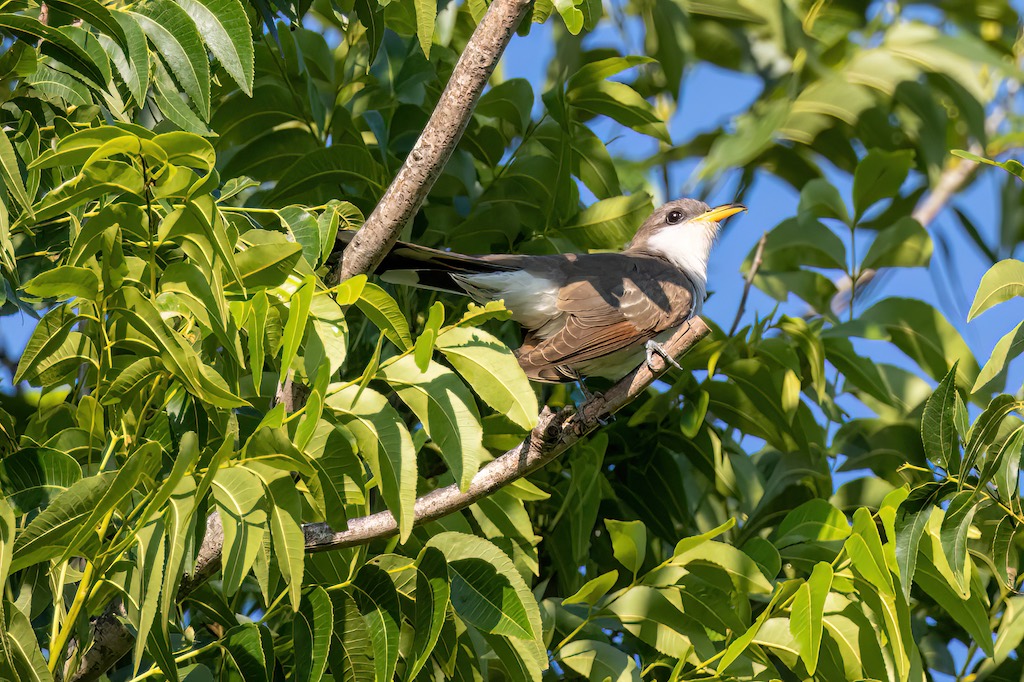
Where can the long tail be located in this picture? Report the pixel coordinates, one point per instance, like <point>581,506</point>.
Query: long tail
<point>426,268</point>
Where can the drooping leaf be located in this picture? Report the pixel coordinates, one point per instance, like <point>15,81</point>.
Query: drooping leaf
<point>432,598</point>
<point>806,614</point>
<point>879,176</point>
<point>629,542</point>
<point>311,633</point>
<point>225,30</point>
<point>493,372</point>
<point>374,593</point>
<point>240,496</point>
<point>175,36</point>
<point>1003,281</point>
<point>385,445</point>
<point>486,589</point>
<point>447,411</point>
<point>941,442</point>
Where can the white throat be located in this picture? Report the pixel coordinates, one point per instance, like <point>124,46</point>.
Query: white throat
<point>688,247</point>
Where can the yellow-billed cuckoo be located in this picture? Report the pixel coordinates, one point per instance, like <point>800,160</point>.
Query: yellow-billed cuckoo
<point>585,315</point>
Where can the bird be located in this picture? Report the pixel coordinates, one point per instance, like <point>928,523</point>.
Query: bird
<point>584,315</point>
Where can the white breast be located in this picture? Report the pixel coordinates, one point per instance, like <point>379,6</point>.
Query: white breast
<point>688,247</point>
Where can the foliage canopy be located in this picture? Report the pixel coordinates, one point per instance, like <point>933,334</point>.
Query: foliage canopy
<point>175,173</point>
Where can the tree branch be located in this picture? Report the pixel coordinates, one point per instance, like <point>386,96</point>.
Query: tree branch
<point>442,133</point>
<point>555,432</point>
<point>755,265</point>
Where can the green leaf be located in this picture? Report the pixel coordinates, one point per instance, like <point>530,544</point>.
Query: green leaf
<point>597,71</point>
<point>303,227</point>
<point>333,166</point>
<point>1006,349</point>
<point>486,589</point>
<point>240,497</point>
<point>383,311</point>
<point>609,223</point>
<point>225,30</point>
<point>141,465</point>
<point>510,101</point>
<point>1004,551</point>
<point>864,547</point>
<point>821,199</point>
<point>740,644</point>
<point>1003,281</point>
<point>904,244</point>
<point>970,613</point>
<point>33,477</point>
<point>816,520</point>
<point>879,176</point>
<point>492,371</point>
<point>175,36</point>
<point>1011,629</point>
<point>295,327</point>
<point>267,265</point>
<point>351,654</point>
<point>447,411</point>
<point>339,471</point>
<point>432,598</point>
<point>149,562</point>
<point>806,614</point>
<point>385,445</point>
<point>311,634</point>
<point>742,570</point>
<point>986,429</point>
<point>6,539</point>
<point>911,521</point>
<point>629,543</point>
<point>694,541</point>
<point>424,347</point>
<point>1007,464</point>
<point>426,15</point>
<point>248,650</point>
<point>289,543</point>
<point>593,660</point>
<point>953,534</point>
<point>1011,166</point>
<point>938,432</point>
<point>55,44</point>
<point>133,63</point>
<point>11,175</point>
<point>572,17</point>
<point>620,103</point>
<point>28,664</point>
<point>94,14</point>
<point>918,330</point>
<point>593,590</point>
<point>46,535</point>
<point>375,595</point>
<point>64,282</point>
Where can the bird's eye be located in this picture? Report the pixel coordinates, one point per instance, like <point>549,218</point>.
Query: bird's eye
<point>674,217</point>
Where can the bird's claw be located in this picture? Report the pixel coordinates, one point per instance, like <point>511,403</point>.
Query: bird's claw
<point>655,348</point>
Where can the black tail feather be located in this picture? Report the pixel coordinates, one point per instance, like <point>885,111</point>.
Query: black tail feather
<point>427,268</point>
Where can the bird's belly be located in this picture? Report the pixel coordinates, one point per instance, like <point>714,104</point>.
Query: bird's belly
<point>620,363</point>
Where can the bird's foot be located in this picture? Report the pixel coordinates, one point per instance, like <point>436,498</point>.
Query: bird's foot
<point>655,348</point>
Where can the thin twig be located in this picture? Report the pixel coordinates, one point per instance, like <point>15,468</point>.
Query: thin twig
<point>754,266</point>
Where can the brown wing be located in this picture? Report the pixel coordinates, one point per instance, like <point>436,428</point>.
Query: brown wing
<point>609,304</point>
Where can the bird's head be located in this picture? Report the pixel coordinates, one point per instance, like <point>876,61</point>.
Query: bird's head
<point>683,232</point>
